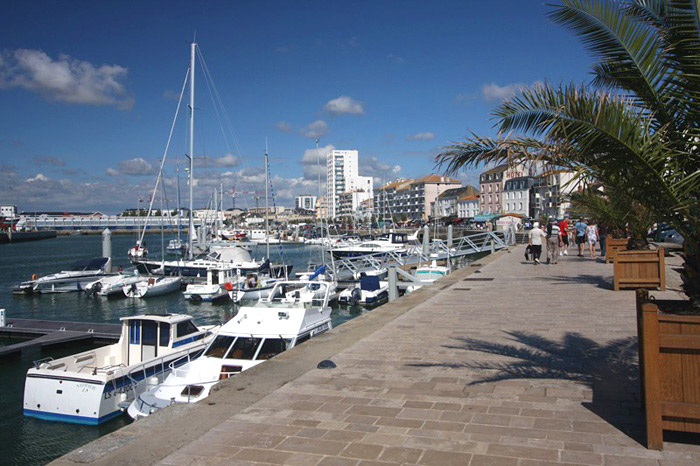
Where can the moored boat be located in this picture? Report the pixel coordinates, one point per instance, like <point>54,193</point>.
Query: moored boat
<point>293,313</point>
<point>80,274</point>
<point>86,388</point>
<point>153,286</point>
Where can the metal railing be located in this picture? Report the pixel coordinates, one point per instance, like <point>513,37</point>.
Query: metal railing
<point>487,241</point>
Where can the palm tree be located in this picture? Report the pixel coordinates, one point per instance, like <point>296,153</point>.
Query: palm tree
<point>635,127</point>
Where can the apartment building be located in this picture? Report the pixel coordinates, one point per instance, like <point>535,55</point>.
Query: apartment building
<point>411,199</point>
<point>491,184</point>
<point>518,196</point>
<point>305,202</point>
<point>551,192</point>
<point>468,206</point>
<point>343,177</point>
<point>446,203</point>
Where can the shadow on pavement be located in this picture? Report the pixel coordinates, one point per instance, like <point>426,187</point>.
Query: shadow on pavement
<point>610,370</point>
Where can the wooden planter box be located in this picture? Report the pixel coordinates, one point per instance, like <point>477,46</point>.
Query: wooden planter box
<point>612,245</point>
<point>669,364</point>
<point>639,269</point>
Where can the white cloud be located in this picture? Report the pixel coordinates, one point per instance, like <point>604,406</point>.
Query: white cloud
<point>284,126</point>
<point>396,58</point>
<point>315,129</point>
<point>38,177</point>
<point>314,162</point>
<point>228,160</point>
<point>65,79</point>
<point>493,92</point>
<point>137,166</point>
<point>344,105</point>
<point>422,136</point>
<point>48,160</point>
<point>169,94</point>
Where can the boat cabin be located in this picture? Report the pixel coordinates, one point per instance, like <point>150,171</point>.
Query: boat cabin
<point>154,335</point>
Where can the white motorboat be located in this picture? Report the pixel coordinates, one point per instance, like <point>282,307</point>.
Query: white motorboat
<point>113,284</point>
<point>427,274</point>
<point>153,286</point>
<point>370,291</point>
<point>86,388</point>
<point>294,312</point>
<point>80,274</point>
<point>389,243</point>
<point>252,287</point>
<point>234,256</point>
<point>176,246</point>
<point>219,281</point>
<point>319,275</point>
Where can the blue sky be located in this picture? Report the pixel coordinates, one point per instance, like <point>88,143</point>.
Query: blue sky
<point>89,90</point>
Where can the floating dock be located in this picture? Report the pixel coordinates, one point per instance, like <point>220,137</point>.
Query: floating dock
<point>21,236</point>
<point>47,333</point>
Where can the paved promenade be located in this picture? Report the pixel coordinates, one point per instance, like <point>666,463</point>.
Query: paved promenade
<point>514,365</point>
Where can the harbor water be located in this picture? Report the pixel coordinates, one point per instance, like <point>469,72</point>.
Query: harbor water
<point>25,440</point>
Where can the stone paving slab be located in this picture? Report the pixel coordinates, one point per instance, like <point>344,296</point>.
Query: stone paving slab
<point>537,366</point>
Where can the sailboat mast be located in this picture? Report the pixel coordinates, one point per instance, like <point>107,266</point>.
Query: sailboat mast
<point>179,222</point>
<point>190,236</point>
<point>320,206</point>
<point>267,207</point>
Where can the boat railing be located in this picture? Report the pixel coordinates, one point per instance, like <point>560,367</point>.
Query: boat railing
<point>41,361</point>
<point>144,383</point>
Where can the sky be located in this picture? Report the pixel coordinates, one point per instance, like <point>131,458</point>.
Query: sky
<point>89,91</point>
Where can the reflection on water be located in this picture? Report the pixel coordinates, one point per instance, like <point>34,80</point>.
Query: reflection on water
<point>26,440</point>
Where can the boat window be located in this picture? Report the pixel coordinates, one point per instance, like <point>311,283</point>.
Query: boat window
<point>244,348</point>
<point>219,346</point>
<point>192,391</point>
<point>150,331</point>
<point>185,328</point>
<point>228,371</point>
<point>164,334</point>
<point>271,347</point>
<point>135,332</point>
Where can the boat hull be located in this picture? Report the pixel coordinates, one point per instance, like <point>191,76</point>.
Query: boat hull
<point>88,400</point>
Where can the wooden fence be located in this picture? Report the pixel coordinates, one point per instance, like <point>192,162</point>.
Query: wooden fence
<point>669,362</point>
<point>639,269</point>
<point>612,245</point>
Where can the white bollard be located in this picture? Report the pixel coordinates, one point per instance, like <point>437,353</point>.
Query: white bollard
<point>426,240</point>
<point>449,236</point>
<point>107,248</point>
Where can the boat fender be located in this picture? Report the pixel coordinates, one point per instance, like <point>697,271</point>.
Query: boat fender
<point>228,286</point>
<point>34,276</point>
<point>355,296</point>
<point>196,298</point>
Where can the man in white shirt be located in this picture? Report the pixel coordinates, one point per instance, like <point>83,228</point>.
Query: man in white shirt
<point>536,236</point>
<point>554,241</point>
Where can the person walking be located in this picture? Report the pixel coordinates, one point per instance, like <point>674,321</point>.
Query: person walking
<point>564,229</point>
<point>592,235</point>
<point>580,228</point>
<point>603,234</point>
<point>535,241</point>
<point>553,241</point>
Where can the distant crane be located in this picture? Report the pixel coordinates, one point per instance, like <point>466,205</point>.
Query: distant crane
<point>256,195</point>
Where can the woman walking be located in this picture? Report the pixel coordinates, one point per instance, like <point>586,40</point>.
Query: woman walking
<point>592,235</point>
<point>536,235</point>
